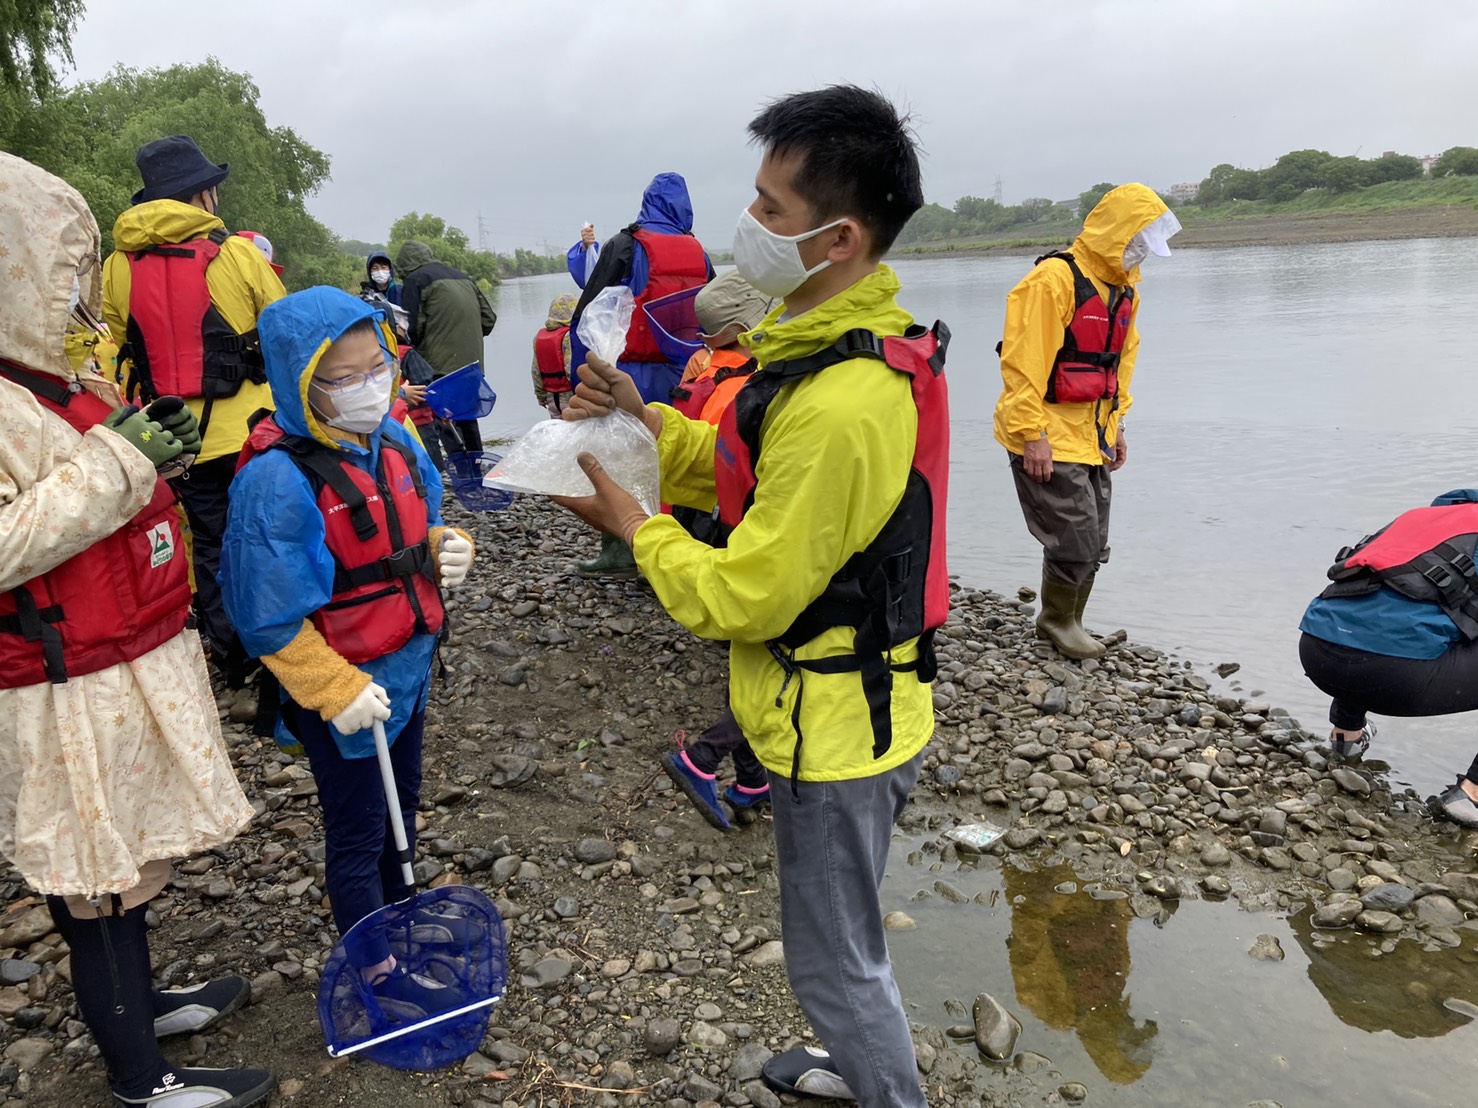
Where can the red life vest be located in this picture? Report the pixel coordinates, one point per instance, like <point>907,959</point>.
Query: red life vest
<point>375,528</point>
<point>725,375</point>
<point>549,355</point>
<point>117,600</point>
<point>177,340</point>
<point>674,263</point>
<point>1086,368</point>
<point>898,588</point>
<point>1425,554</point>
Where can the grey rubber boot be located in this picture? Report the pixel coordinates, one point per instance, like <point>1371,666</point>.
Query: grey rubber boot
<point>614,560</point>
<point>1059,621</point>
<point>1083,592</point>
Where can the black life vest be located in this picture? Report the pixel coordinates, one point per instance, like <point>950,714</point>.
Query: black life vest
<point>1086,368</point>
<point>1425,554</point>
<point>376,529</point>
<point>898,588</point>
<point>178,342</point>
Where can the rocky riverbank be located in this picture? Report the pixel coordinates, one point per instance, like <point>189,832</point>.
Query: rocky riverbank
<point>645,967</point>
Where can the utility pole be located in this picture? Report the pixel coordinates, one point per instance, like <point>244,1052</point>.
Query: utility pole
<point>998,189</point>
<point>482,233</point>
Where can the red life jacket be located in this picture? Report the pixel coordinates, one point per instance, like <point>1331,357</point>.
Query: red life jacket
<point>177,340</point>
<point>725,375</point>
<point>674,263</point>
<point>1425,554</point>
<point>549,355</point>
<point>898,588</point>
<point>375,528</point>
<point>1086,368</point>
<point>117,600</point>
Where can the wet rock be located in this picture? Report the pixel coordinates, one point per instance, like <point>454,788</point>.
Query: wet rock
<point>899,921</point>
<point>1216,854</point>
<point>1388,897</point>
<point>1354,783</point>
<point>1341,913</point>
<point>948,775</point>
<point>1438,911</point>
<point>1163,886</point>
<point>1464,886</point>
<point>996,1030</point>
<point>1461,1007</point>
<point>14,970</point>
<point>1266,948</point>
<point>1382,923</point>
<point>1073,1092</point>
<point>1226,669</point>
<point>948,892</point>
<point>1340,880</point>
<point>1020,838</point>
<point>547,972</point>
<point>662,1036</point>
<point>1214,885</point>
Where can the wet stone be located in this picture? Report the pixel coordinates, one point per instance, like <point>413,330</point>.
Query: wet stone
<point>1382,923</point>
<point>1438,911</point>
<point>1388,897</point>
<point>996,1030</point>
<point>1266,949</point>
<point>899,921</point>
<point>1350,781</point>
<point>662,1036</point>
<point>14,970</point>
<point>1073,1092</point>
<point>1216,885</point>
<point>1341,913</point>
<point>1341,880</point>
<point>1216,854</point>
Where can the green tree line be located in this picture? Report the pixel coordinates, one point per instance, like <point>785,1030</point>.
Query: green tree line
<point>1300,170</point>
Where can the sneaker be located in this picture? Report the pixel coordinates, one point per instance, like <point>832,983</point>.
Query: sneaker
<point>805,1071</point>
<point>1457,805</point>
<point>204,1088</point>
<point>184,1011</point>
<point>1348,750</point>
<point>699,787</point>
<point>406,996</point>
<point>740,797</point>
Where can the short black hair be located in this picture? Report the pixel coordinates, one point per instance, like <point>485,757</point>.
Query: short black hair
<point>365,325</point>
<point>859,156</point>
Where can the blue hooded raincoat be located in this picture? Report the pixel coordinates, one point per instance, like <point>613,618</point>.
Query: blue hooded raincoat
<point>275,567</point>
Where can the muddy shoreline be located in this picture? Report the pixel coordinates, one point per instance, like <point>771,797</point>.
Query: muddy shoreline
<point>644,962</point>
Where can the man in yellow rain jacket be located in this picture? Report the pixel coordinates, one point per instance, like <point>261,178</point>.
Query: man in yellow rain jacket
<point>1067,360</point>
<point>222,382</point>
<point>838,180</point>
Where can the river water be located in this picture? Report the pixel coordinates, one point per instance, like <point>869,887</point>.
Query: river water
<point>1287,401</point>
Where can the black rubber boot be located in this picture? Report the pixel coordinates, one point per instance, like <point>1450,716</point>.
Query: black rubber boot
<point>1059,621</point>
<point>614,560</point>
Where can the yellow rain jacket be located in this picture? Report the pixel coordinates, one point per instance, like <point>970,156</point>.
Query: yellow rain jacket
<point>1038,311</point>
<point>241,284</point>
<point>837,450</point>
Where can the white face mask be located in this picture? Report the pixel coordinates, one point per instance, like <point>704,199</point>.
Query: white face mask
<point>360,406</point>
<point>380,276</point>
<point>1154,239</point>
<point>770,262</point>
<point>1137,251</point>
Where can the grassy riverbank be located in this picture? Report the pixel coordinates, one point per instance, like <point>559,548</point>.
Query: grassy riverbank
<point>1398,210</point>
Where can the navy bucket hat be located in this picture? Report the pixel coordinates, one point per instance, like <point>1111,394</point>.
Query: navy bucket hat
<point>173,166</point>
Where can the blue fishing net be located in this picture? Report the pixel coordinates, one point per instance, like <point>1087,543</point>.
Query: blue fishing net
<point>433,1010</point>
<point>466,469</point>
<point>462,394</point>
<point>674,324</point>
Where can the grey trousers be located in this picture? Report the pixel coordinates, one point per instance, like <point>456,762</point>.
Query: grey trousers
<point>831,848</point>
<point>1068,515</point>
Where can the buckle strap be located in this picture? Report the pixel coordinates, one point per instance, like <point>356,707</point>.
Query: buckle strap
<point>403,563</point>
<point>38,625</point>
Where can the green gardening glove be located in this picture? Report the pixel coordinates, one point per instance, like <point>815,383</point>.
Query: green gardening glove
<point>150,439</point>
<point>171,413</point>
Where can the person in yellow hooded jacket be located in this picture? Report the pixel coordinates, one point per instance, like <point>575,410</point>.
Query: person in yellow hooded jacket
<point>178,205</point>
<point>838,180</point>
<point>1067,360</point>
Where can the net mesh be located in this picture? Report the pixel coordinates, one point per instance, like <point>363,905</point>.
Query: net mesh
<point>466,469</point>
<point>451,954</point>
<point>462,394</point>
<point>674,322</point>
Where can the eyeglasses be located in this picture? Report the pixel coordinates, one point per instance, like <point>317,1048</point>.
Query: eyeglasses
<point>355,382</point>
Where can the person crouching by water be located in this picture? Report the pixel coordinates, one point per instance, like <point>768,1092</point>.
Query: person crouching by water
<point>333,556</point>
<point>1396,632</point>
<point>111,759</point>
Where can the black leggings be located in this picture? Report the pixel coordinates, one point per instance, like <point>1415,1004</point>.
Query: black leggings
<point>1361,682</point>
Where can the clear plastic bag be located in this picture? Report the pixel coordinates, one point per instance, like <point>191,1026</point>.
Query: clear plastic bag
<point>605,321</point>
<point>543,461</point>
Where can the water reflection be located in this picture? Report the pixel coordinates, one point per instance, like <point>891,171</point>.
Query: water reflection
<point>1402,991</point>
<point>1070,960</point>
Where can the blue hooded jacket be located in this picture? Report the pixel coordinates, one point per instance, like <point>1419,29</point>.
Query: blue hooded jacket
<point>1385,622</point>
<point>665,210</point>
<point>275,567</point>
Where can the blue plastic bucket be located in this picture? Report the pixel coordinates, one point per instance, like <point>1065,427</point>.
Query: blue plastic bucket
<point>674,324</point>
<point>462,394</point>
<point>466,471</point>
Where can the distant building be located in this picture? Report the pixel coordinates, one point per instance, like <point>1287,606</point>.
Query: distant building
<point>1428,161</point>
<point>1186,190</point>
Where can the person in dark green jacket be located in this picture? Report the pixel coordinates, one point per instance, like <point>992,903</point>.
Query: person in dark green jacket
<point>447,319</point>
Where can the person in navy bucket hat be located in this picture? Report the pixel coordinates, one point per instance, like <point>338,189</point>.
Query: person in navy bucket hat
<point>174,167</point>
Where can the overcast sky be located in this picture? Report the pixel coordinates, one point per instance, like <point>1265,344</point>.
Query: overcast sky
<point>540,115</point>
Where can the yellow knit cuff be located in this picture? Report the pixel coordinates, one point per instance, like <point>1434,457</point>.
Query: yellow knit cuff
<point>315,675</point>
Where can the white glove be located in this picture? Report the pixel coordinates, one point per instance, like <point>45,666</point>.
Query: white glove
<point>371,704</point>
<point>454,560</point>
